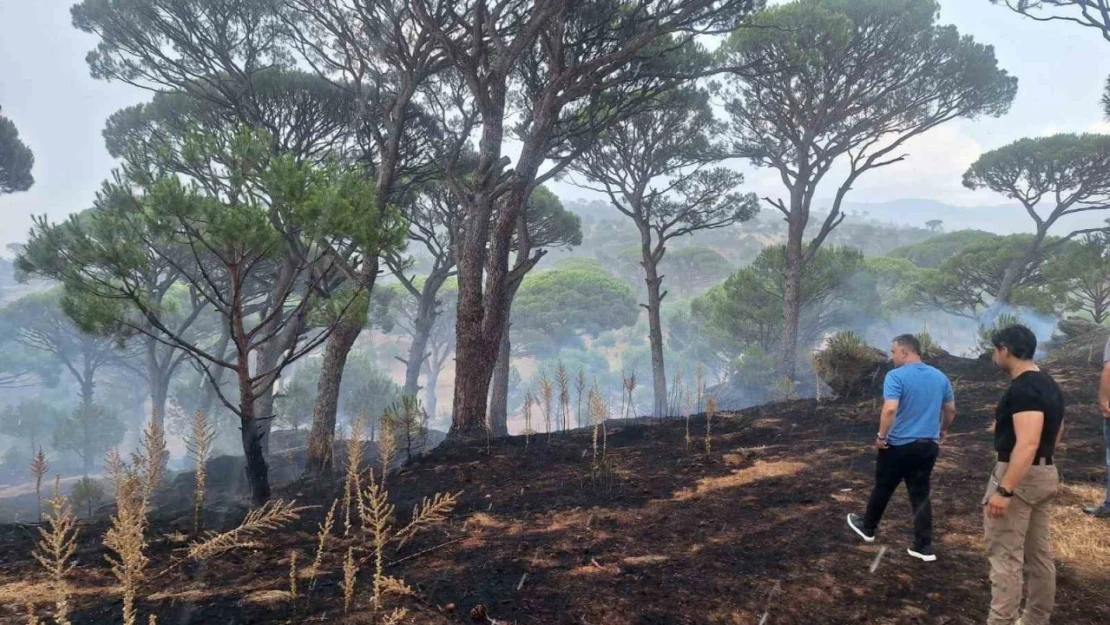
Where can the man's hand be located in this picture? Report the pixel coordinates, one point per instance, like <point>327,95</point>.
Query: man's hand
<point>881,444</point>
<point>997,506</point>
<point>1104,407</point>
<point>943,437</point>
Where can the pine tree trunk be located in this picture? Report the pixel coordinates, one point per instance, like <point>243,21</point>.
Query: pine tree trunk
<point>257,471</point>
<point>791,300</point>
<point>252,435</point>
<point>655,336</point>
<point>1016,268</point>
<point>418,350</point>
<point>431,401</point>
<point>475,351</point>
<point>159,391</point>
<point>499,393</point>
<point>477,358</point>
<point>322,435</point>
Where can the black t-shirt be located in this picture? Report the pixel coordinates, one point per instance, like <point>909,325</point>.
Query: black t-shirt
<point>1032,391</point>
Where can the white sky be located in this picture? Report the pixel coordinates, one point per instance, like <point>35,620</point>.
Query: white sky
<point>45,88</point>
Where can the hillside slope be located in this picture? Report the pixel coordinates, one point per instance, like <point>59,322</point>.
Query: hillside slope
<point>661,535</point>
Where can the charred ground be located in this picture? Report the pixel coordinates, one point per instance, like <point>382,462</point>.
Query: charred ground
<point>660,535</point>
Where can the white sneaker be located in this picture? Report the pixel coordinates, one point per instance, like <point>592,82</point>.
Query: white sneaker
<point>925,555</point>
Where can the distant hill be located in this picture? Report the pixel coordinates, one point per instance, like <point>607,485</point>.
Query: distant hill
<point>931,253</point>
<point>999,219</point>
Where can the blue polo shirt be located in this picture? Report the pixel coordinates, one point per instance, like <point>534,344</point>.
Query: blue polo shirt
<point>921,391</point>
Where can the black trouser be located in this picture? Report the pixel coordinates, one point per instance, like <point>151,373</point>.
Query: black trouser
<point>914,464</point>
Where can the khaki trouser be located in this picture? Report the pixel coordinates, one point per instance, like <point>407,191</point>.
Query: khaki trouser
<point>1019,546</point>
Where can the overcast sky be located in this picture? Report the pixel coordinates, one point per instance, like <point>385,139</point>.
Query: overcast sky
<point>45,88</point>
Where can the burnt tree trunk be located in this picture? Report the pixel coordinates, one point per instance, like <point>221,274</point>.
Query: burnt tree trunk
<point>252,434</point>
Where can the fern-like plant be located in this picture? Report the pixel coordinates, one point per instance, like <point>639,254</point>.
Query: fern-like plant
<point>198,444</point>
<point>39,467</point>
<point>55,548</point>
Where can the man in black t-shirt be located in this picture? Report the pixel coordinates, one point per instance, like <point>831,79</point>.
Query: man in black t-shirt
<point>1028,424</point>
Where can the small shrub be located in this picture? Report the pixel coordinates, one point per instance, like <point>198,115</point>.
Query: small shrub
<point>1005,320</point>
<point>86,494</point>
<point>408,424</point>
<point>929,347</point>
<point>784,390</point>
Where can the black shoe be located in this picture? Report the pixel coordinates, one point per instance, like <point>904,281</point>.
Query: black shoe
<point>925,554</point>
<point>856,523</point>
<point>1102,512</point>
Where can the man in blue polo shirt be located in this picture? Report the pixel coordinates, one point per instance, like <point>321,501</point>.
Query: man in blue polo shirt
<point>918,409</point>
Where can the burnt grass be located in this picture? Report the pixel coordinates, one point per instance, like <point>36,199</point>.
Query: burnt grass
<point>661,535</point>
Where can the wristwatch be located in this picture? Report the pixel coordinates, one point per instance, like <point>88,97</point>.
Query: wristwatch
<point>1001,490</point>
<point>881,437</point>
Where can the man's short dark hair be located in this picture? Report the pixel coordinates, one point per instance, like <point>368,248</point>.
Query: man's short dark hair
<point>910,341</point>
<point>1019,339</point>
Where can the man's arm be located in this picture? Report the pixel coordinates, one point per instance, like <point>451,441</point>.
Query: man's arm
<point>886,420</point>
<point>948,416</point>
<point>1104,391</point>
<point>1027,426</point>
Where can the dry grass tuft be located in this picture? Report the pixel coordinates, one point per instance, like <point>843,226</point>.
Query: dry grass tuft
<point>125,537</point>
<point>321,545</point>
<point>39,467</point>
<point>699,384</point>
<point>152,460</point>
<point>579,390</point>
<point>115,468</point>
<point>352,485</point>
<point>710,412</point>
<point>198,444</point>
<point>376,500</point>
<point>675,400</point>
<point>293,574</point>
<point>349,572</point>
<point>387,447</point>
<point>395,617</point>
<point>546,394</point>
<point>1078,536</point>
<point>56,546</point>
<point>32,618</point>
<point>427,514</point>
<point>268,518</point>
<point>378,525</point>
<point>597,411</point>
<point>628,386</point>
<point>528,402</point>
<point>562,382</point>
